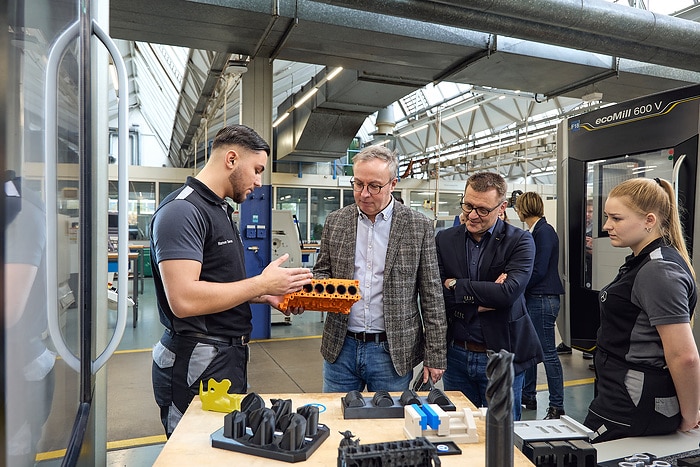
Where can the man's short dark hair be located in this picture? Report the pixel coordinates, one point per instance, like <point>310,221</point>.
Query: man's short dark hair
<point>484,181</point>
<point>241,135</point>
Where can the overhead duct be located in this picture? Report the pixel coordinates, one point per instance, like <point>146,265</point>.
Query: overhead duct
<point>591,25</point>
<point>322,128</point>
<point>385,122</point>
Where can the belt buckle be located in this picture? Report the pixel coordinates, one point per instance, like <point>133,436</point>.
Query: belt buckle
<point>244,340</point>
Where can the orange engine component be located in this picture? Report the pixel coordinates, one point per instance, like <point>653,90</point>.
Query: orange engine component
<point>334,295</point>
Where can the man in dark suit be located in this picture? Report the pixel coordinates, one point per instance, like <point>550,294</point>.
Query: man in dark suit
<point>485,265</point>
<point>390,249</point>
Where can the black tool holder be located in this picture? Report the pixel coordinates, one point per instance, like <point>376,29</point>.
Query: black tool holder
<point>418,452</point>
<point>275,433</point>
<point>384,405</point>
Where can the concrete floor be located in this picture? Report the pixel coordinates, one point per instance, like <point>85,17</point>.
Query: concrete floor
<point>289,362</point>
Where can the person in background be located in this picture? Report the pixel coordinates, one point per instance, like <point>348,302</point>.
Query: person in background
<point>29,363</point>
<point>200,279</point>
<point>647,364</point>
<point>390,249</point>
<point>542,299</point>
<point>485,265</point>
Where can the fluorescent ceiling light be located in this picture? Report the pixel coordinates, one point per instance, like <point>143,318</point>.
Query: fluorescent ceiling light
<point>422,127</point>
<point>461,112</point>
<point>305,98</point>
<point>334,73</point>
<point>280,119</point>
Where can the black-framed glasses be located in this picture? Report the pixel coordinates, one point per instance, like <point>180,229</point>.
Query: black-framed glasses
<point>480,211</point>
<point>372,188</point>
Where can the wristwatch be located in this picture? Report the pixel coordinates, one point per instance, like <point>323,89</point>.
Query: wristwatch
<point>451,284</point>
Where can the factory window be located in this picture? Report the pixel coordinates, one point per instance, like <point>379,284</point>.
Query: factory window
<point>295,200</point>
<point>323,202</point>
<point>348,197</point>
<point>165,188</point>
<point>142,205</point>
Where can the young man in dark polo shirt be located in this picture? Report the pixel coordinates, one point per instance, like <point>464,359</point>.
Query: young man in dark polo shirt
<point>202,291</point>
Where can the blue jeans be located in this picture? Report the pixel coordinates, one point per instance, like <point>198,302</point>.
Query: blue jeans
<point>543,310</point>
<point>466,372</point>
<point>363,363</point>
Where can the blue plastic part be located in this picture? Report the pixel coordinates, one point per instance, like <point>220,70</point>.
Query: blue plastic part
<point>433,418</point>
<point>423,417</point>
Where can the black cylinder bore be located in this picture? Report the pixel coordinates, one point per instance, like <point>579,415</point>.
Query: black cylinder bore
<point>352,290</point>
<point>330,288</point>
<point>308,288</point>
<point>318,288</point>
<point>341,289</point>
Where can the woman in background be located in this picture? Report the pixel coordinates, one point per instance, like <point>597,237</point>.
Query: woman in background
<point>647,363</point>
<point>542,301</point>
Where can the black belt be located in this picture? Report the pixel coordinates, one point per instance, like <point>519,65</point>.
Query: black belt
<point>236,340</point>
<point>470,346</point>
<point>367,336</point>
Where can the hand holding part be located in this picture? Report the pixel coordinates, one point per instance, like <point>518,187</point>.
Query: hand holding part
<point>279,280</point>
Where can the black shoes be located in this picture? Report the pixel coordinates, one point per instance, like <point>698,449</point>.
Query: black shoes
<point>563,349</point>
<point>554,413</point>
<point>530,404</point>
<point>587,356</point>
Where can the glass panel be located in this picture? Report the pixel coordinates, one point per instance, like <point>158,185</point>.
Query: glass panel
<point>165,188</point>
<point>323,202</point>
<point>142,205</point>
<point>295,200</point>
<point>422,201</point>
<point>43,392</point>
<point>348,197</point>
<point>602,260</point>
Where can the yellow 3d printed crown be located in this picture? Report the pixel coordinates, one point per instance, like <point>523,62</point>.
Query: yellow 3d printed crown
<point>334,295</point>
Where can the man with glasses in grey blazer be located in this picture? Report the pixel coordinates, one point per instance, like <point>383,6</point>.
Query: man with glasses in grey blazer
<point>390,249</point>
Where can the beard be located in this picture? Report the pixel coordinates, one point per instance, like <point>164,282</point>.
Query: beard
<point>239,193</point>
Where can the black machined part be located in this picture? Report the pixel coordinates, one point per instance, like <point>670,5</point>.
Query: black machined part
<point>573,453</point>
<point>262,422</point>
<point>354,399</point>
<point>234,424</point>
<point>382,399</point>
<point>499,417</point>
<point>252,402</point>
<point>409,397</point>
<point>437,396</point>
<point>293,433</point>
<point>281,407</point>
<point>418,452</point>
<point>310,413</point>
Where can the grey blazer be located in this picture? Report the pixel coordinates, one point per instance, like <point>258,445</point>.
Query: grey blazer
<point>411,274</point>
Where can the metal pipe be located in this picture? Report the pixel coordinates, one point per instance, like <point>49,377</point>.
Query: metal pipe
<point>591,25</point>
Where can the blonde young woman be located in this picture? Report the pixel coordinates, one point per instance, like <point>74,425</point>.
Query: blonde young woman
<point>647,364</point>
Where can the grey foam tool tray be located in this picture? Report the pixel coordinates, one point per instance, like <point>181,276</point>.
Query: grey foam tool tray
<point>395,410</point>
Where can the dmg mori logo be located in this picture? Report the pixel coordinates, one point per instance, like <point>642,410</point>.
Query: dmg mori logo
<point>604,296</point>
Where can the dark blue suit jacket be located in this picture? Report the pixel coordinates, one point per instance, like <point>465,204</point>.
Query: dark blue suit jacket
<point>508,326</point>
<point>545,274</point>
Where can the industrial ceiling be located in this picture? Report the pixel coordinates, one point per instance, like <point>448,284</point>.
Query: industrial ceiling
<point>551,52</point>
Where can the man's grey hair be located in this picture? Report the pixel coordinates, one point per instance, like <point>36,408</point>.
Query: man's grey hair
<point>382,153</point>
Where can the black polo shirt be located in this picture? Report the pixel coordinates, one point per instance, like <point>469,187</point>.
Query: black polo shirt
<point>193,223</point>
<point>653,288</point>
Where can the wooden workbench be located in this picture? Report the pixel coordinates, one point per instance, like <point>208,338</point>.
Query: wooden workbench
<point>190,444</point>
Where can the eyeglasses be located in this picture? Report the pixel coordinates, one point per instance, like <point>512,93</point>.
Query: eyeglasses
<point>372,188</point>
<point>480,211</point>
